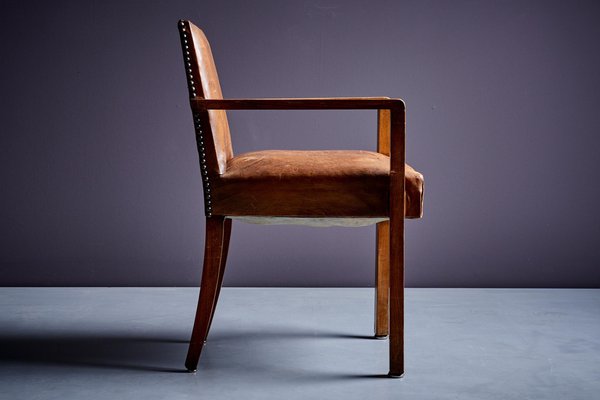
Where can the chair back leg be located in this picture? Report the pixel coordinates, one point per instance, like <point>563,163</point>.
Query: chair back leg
<point>225,250</point>
<point>209,287</point>
<point>382,280</point>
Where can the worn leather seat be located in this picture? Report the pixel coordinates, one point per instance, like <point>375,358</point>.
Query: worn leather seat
<point>339,183</point>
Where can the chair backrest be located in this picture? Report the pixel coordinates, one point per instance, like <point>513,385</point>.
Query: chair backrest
<point>212,128</point>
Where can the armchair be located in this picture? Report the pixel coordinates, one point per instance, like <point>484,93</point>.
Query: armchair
<point>322,188</point>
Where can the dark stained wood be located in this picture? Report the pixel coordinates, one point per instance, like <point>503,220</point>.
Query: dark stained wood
<point>382,264</point>
<point>330,103</point>
<point>397,171</point>
<point>226,237</point>
<point>213,251</point>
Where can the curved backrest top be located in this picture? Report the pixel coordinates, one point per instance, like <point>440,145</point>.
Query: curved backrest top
<point>203,81</point>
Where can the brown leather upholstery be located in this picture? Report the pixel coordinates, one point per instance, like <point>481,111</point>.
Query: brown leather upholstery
<point>286,183</point>
<point>331,183</point>
<point>207,86</point>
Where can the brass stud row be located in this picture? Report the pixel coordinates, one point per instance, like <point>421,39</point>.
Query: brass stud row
<point>203,167</point>
<point>197,122</point>
<point>187,59</point>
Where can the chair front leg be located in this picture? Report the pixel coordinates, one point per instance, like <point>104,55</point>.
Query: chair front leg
<point>213,251</point>
<point>396,338</point>
<point>382,280</point>
<point>397,194</point>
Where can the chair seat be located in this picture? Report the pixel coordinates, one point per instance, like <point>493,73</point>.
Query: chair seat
<point>319,183</point>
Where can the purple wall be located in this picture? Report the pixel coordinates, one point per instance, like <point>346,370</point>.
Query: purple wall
<point>99,171</point>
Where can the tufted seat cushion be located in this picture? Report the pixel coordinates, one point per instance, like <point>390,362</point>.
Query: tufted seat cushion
<point>313,184</point>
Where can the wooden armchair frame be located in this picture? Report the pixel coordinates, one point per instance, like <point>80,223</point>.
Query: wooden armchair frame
<point>204,100</point>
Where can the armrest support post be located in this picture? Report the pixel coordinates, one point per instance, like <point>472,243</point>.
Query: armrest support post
<point>383,132</point>
<point>397,171</point>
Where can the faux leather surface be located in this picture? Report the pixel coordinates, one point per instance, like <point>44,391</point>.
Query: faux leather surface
<point>332,183</point>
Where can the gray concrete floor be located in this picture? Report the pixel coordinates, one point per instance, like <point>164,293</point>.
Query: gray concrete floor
<point>130,343</point>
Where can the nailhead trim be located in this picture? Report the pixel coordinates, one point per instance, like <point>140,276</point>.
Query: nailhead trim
<point>197,121</point>
<point>187,59</point>
<point>203,167</point>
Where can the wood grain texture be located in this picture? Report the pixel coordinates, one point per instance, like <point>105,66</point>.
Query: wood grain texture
<point>382,234</point>
<point>208,289</point>
<point>397,170</point>
<point>382,279</point>
<point>383,132</point>
<point>223,263</point>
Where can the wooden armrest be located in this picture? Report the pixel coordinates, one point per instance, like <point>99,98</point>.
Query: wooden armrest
<point>397,115</point>
<point>331,103</point>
